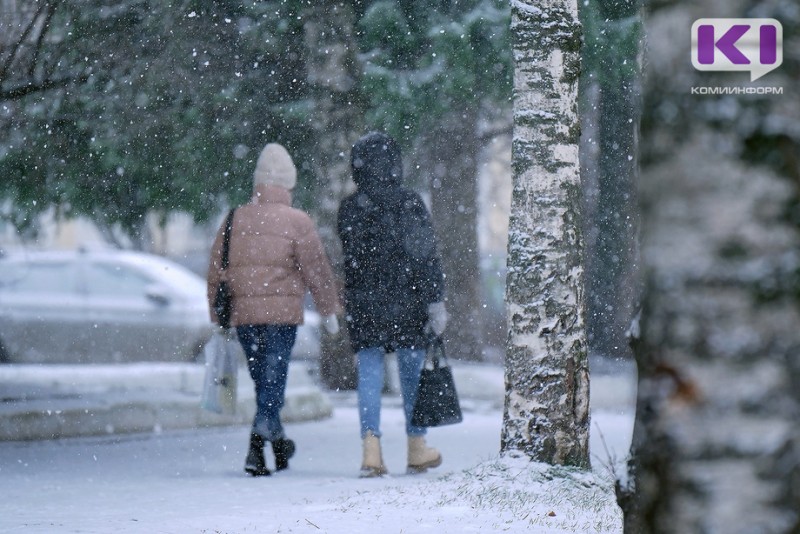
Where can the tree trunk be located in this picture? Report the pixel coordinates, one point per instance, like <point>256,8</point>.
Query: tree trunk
<point>716,446</point>
<point>612,273</point>
<point>546,414</point>
<point>716,443</point>
<point>452,160</point>
<point>337,121</point>
<point>611,103</point>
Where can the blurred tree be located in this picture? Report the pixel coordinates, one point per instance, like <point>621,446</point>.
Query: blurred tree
<point>438,78</point>
<point>24,69</point>
<point>612,94</point>
<point>169,109</point>
<point>546,414</point>
<point>31,62</point>
<point>333,79</point>
<point>716,445</point>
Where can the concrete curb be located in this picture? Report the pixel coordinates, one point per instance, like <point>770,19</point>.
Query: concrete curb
<point>60,401</point>
<point>38,402</point>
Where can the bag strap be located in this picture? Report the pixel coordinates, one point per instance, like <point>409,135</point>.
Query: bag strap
<point>226,239</point>
<point>435,352</point>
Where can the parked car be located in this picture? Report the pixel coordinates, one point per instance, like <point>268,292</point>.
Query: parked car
<point>107,306</point>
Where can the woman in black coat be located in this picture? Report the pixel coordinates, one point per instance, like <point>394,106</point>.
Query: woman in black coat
<point>393,290</point>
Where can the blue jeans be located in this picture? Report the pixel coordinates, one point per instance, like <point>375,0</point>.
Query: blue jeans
<point>370,386</point>
<point>267,348</point>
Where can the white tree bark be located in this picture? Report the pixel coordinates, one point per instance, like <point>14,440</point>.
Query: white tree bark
<point>715,440</point>
<point>716,443</point>
<point>547,381</point>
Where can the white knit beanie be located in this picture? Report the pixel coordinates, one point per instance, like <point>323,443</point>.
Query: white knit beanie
<point>275,167</point>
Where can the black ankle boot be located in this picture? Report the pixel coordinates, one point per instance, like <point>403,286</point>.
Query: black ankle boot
<point>255,464</point>
<point>283,449</point>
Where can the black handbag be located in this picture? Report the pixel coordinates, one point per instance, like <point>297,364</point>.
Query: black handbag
<point>223,300</point>
<point>437,401</point>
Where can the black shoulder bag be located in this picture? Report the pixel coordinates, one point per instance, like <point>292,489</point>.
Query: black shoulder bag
<point>223,300</point>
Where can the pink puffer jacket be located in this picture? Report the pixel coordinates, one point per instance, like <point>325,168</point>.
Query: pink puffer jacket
<point>275,255</point>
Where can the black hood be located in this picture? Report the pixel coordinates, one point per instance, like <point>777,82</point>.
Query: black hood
<point>377,163</point>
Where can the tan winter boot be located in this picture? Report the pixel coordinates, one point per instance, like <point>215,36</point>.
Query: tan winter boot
<point>420,456</point>
<point>372,464</point>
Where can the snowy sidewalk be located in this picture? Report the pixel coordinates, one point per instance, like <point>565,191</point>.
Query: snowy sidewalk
<point>57,401</point>
<point>192,480</point>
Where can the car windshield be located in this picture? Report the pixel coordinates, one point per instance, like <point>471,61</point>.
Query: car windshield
<point>38,277</point>
<point>115,279</point>
<point>171,274</point>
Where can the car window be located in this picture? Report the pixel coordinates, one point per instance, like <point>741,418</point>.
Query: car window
<point>38,277</point>
<point>114,279</point>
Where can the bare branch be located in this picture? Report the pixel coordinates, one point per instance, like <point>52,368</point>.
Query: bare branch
<point>16,93</point>
<point>48,17</point>
<point>18,44</point>
<point>487,135</point>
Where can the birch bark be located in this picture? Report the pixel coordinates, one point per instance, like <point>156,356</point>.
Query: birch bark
<point>716,443</point>
<point>546,412</point>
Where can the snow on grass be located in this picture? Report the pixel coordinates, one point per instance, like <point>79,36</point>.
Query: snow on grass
<point>504,494</point>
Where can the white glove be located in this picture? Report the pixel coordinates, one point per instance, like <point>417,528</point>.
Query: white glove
<point>331,324</point>
<point>226,333</point>
<point>437,318</point>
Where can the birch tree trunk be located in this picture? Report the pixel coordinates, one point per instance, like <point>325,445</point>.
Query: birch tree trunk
<point>337,121</point>
<point>546,414</point>
<point>716,442</point>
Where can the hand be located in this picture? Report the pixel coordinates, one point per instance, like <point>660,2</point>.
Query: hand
<point>222,331</point>
<point>331,324</point>
<point>437,318</point>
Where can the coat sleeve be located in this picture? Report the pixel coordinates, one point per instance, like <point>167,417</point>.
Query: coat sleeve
<point>345,229</point>
<point>419,242</point>
<point>316,272</point>
<point>214,272</point>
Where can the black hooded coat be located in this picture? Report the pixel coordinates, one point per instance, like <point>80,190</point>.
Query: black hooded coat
<point>391,268</point>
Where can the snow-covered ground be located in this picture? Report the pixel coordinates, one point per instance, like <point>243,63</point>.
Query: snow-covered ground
<point>192,481</point>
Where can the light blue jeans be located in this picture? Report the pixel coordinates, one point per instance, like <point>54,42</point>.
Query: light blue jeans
<point>370,387</point>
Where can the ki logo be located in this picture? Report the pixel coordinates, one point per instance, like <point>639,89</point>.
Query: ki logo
<point>754,45</point>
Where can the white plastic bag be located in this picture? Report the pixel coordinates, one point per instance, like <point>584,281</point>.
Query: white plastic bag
<point>219,387</point>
